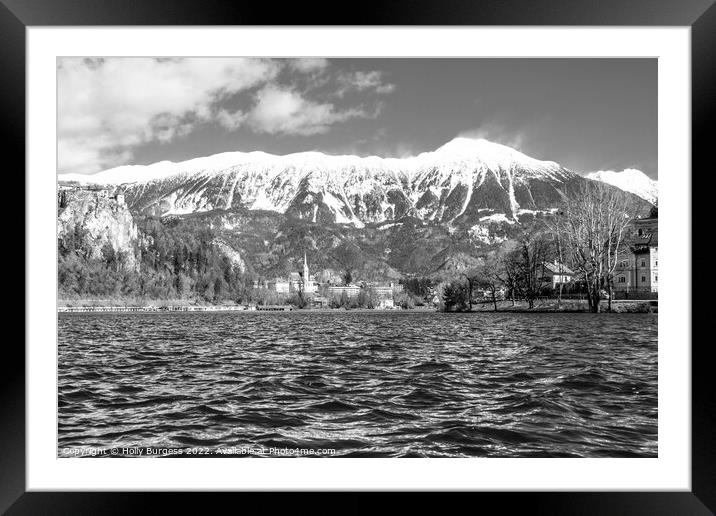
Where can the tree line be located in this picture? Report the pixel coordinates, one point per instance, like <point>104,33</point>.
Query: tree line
<point>174,260</point>
<point>177,260</point>
<point>587,235</point>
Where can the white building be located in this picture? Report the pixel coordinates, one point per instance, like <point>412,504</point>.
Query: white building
<point>638,270</point>
<point>556,273</point>
<point>279,285</point>
<point>349,290</point>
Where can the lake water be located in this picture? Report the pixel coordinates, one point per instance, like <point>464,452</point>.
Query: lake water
<point>397,384</point>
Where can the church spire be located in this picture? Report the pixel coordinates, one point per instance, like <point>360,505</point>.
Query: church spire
<point>306,277</point>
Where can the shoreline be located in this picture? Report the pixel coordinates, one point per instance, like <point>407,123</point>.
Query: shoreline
<point>647,307</point>
<point>241,309</point>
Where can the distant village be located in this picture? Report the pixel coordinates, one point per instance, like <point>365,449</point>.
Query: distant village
<point>331,293</point>
<point>636,275</point>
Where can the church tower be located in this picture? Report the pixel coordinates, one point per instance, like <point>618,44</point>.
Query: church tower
<point>308,285</point>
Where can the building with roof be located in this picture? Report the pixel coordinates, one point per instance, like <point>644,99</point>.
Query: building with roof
<point>638,270</point>
<point>555,274</point>
<point>348,290</point>
<point>384,290</point>
<point>279,285</point>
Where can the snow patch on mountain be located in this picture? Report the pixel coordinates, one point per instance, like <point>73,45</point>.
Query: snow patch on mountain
<point>630,180</point>
<point>482,234</point>
<point>499,218</point>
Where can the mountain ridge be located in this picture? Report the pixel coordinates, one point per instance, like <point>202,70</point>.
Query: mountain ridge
<point>461,181</point>
<point>458,147</point>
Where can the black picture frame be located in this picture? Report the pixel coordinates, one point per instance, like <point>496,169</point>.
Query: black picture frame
<point>700,15</point>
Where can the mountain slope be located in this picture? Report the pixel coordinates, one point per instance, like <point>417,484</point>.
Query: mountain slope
<point>630,180</point>
<point>462,182</point>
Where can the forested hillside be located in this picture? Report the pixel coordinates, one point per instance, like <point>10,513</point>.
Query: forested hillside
<point>176,260</point>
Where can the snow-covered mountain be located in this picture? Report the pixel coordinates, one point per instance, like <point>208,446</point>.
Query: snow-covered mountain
<point>465,180</point>
<point>630,180</point>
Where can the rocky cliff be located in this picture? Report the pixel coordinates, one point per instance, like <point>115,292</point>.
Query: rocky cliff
<point>99,218</point>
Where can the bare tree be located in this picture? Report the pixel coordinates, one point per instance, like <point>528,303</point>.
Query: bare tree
<point>488,275</point>
<point>510,270</point>
<point>471,275</point>
<point>560,264</point>
<point>591,228</point>
<point>535,251</point>
<point>300,294</point>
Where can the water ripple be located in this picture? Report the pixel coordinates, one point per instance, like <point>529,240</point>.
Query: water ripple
<point>398,384</point>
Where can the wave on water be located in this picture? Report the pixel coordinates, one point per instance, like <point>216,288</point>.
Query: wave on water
<point>395,384</point>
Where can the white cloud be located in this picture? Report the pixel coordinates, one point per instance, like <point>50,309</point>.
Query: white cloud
<point>385,89</point>
<point>82,155</point>
<point>284,110</point>
<point>106,106</point>
<point>362,81</point>
<point>308,64</point>
<point>231,121</point>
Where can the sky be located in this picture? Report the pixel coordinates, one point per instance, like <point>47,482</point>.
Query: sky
<point>586,114</point>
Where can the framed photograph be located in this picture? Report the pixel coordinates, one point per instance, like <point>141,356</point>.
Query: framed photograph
<point>413,251</point>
